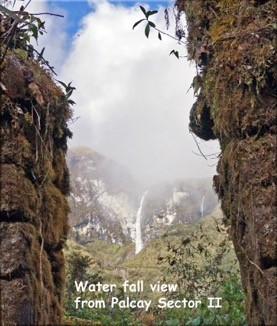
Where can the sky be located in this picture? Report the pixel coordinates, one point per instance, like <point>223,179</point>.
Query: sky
<point>132,98</point>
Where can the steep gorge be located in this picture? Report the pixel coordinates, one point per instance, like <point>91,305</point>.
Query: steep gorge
<point>233,44</point>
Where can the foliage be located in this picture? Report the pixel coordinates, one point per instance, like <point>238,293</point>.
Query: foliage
<point>77,269</point>
<point>198,263</point>
<point>236,41</point>
<point>149,23</point>
<point>103,316</point>
<point>198,266</point>
<point>179,32</point>
<point>18,30</point>
<point>176,53</point>
<point>68,91</point>
<point>202,263</point>
<point>19,26</point>
<point>231,314</point>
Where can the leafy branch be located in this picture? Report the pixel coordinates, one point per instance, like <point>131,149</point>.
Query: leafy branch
<point>17,29</point>
<point>150,24</point>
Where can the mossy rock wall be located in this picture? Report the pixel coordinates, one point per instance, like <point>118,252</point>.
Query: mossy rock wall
<point>233,43</point>
<point>34,184</point>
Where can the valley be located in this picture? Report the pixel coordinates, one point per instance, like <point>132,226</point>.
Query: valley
<point>143,252</point>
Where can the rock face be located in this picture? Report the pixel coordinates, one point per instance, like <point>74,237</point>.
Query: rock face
<point>34,182</point>
<point>105,199</point>
<point>178,202</point>
<point>102,201</point>
<point>234,45</point>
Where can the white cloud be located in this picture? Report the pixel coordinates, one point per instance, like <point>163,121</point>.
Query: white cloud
<point>131,96</point>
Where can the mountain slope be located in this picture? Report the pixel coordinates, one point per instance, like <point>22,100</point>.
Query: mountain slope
<point>116,263</point>
<point>105,201</point>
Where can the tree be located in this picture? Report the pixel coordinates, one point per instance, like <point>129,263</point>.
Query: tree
<point>77,270</point>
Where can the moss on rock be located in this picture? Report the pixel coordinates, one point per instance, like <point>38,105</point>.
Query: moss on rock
<point>34,183</point>
<point>238,89</point>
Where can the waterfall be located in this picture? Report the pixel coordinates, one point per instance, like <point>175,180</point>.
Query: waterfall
<point>139,242</point>
<point>202,206</point>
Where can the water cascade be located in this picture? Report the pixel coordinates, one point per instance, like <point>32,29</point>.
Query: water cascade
<point>202,206</point>
<point>139,242</point>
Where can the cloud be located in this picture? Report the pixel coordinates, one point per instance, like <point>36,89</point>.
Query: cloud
<point>132,96</point>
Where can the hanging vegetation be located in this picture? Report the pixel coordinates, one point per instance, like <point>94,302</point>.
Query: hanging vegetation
<point>234,45</point>
<point>34,178</point>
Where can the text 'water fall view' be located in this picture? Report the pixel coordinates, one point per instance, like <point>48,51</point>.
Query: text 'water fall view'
<point>138,162</point>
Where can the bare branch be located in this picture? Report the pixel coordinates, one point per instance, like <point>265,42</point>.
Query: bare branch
<point>73,120</point>
<point>47,13</point>
<point>27,4</point>
<point>198,145</point>
<point>44,61</point>
<point>173,37</point>
<point>214,156</point>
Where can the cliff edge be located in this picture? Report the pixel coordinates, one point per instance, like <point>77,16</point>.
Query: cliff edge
<point>234,45</point>
<point>34,182</point>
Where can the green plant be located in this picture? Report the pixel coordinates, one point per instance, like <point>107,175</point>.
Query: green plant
<point>77,270</point>
<point>18,29</point>
<point>232,312</point>
<point>150,24</point>
<point>198,263</point>
<point>201,268</point>
<point>68,91</point>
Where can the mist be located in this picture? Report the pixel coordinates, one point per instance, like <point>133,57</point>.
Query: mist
<point>131,97</point>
